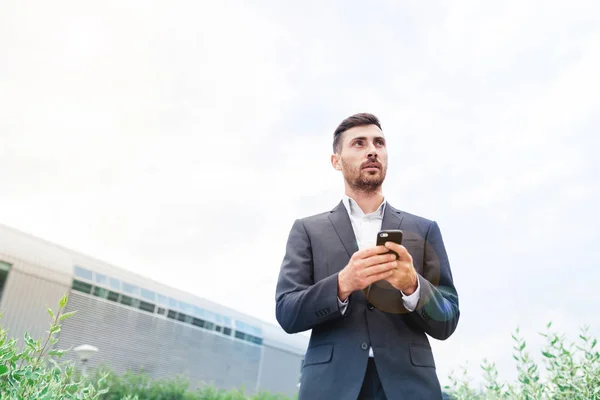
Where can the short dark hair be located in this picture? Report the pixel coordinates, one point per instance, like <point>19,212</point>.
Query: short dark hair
<point>352,121</point>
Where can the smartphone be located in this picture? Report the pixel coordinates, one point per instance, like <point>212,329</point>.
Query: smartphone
<point>389,235</point>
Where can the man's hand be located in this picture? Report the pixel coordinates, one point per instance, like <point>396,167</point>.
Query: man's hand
<point>404,276</point>
<point>365,267</point>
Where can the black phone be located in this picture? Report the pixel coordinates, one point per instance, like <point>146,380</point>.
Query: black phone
<point>389,235</point>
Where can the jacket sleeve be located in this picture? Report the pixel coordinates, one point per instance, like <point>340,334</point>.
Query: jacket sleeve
<point>437,311</point>
<point>302,304</point>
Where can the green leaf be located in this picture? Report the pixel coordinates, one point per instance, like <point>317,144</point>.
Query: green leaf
<point>51,313</point>
<point>3,369</point>
<point>548,355</point>
<point>63,301</point>
<point>57,352</point>
<point>66,315</point>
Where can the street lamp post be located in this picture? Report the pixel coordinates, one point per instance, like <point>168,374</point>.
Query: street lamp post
<point>85,352</point>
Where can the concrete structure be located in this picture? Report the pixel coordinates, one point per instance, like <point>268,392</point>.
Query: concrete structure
<point>137,323</point>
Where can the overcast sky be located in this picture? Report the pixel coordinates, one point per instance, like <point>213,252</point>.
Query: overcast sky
<point>180,140</point>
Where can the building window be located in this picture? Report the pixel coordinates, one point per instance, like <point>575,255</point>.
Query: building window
<point>130,301</point>
<point>147,306</point>
<point>240,335</point>
<point>82,286</point>
<point>114,284</point>
<point>227,331</point>
<point>131,289</point>
<point>101,279</point>
<point>113,296</point>
<point>161,311</point>
<point>173,303</point>
<point>4,270</point>
<point>184,318</point>
<point>172,314</point>
<point>198,322</point>
<point>84,273</point>
<point>162,300</point>
<point>218,328</point>
<point>148,295</point>
<point>100,292</point>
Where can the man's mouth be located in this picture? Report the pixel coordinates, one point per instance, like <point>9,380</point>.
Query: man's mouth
<point>372,167</point>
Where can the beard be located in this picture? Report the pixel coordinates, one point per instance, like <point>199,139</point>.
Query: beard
<point>364,181</point>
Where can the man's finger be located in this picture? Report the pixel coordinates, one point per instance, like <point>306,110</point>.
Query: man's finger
<point>369,252</point>
<point>379,268</point>
<point>380,276</point>
<point>375,260</point>
<point>398,248</point>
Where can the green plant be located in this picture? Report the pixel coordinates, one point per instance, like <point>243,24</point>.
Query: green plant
<point>32,372</point>
<point>572,372</point>
<point>141,386</point>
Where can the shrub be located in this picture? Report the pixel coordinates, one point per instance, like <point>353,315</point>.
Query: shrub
<point>32,372</point>
<point>141,386</point>
<point>572,372</point>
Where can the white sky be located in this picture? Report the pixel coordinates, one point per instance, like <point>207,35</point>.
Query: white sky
<point>180,139</point>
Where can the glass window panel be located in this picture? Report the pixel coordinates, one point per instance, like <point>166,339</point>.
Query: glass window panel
<point>198,312</point>
<point>210,315</point>
<point>82,286</point>
<point>83,273</point>
<point>162,300</point>
<point>101,279</point>
<point>4,266</point>
<point>113,296</point>
<point>184,318</point>
<point>131,289</point>
<point>145,306</point>
<point>240,335</point>
<point>148,294</point>
<point>114,283</point>
<point>161,311</point>
<point>227,331</point>
<point>172,314</point>
<point>126,300</point>
<point>227,321</point>
<point>198,322</point>
<point>130,301</point>
<point>218,328</point>
<point>186,307</point>
<point>100,292</point>
<point>173,303</point>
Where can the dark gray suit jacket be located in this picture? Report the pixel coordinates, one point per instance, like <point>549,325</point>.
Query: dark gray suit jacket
<point>334,366</point>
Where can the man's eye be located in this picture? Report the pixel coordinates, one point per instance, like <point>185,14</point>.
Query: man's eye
<point>358,142</point>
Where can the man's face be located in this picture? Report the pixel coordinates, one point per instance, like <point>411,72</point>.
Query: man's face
<point>362,158</point>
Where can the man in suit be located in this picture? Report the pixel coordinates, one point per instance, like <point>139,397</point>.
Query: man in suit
<point>370,311</point>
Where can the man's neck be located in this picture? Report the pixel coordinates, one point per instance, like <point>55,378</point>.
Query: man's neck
<point>368,202</point>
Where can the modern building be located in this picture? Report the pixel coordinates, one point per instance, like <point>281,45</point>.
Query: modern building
<point>137,323</point>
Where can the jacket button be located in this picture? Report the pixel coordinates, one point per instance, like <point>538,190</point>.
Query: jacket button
<point>364,346</point>
<point>370,306</point>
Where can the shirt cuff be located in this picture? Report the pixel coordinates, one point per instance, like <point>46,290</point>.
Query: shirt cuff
<point>411,301</point>
<point>343,305</point>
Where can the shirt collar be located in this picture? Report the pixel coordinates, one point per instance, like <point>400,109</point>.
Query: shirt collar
<point>355,211</point>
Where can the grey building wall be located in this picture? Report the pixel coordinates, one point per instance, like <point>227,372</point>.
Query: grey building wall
<point>26,298</point>
<point>280,371</point>
<point>128,339</point>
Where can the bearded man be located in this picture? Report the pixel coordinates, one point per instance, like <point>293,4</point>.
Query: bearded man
<point>361,347</point>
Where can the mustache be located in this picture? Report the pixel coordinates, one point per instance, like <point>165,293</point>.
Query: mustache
<point>371,162</point>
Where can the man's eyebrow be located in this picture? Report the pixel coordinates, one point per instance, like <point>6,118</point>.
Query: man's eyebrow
<point>365,138</point>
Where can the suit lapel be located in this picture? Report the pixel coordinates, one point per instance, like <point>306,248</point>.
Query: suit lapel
<point>392,218</point>
<point>343,227</point>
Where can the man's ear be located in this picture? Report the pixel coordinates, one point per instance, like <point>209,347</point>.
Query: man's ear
<point>336,162</point>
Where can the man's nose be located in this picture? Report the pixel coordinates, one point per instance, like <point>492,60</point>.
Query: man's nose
<point>372,151</point>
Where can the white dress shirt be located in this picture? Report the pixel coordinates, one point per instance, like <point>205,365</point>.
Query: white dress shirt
<point>366,227</point>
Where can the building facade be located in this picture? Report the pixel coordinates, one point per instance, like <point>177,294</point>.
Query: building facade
<point>139,324</point>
